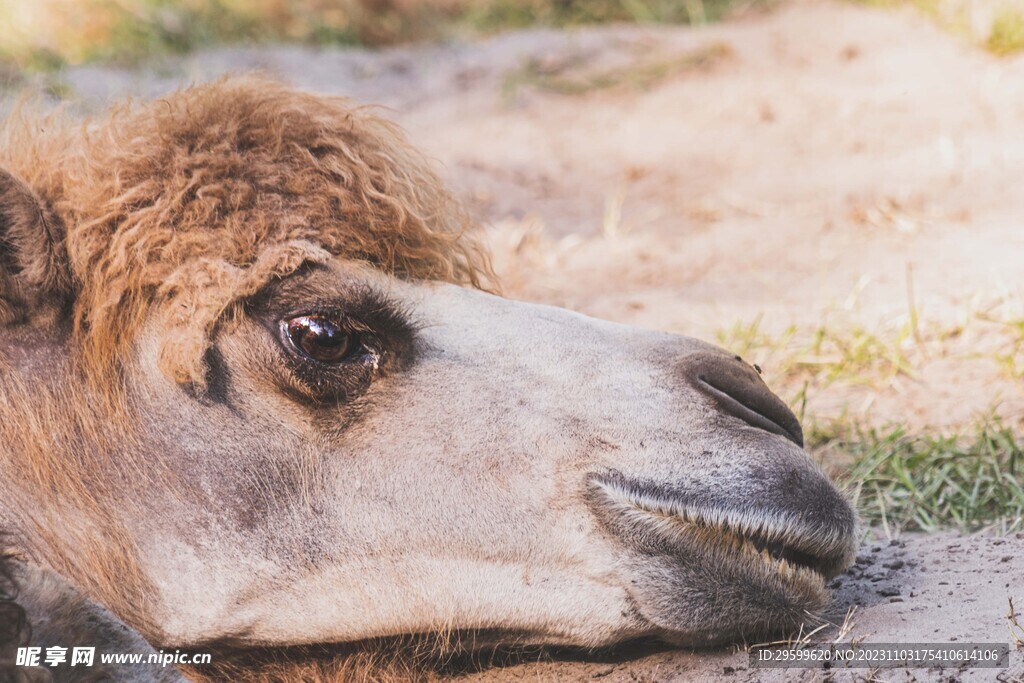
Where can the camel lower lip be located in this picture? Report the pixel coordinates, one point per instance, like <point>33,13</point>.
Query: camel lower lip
<point>788,562</point>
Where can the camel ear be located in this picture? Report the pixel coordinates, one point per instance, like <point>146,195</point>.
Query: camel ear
<point>34,272</point>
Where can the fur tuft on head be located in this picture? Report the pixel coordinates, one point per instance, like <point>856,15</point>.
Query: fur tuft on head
<point>174,206</point>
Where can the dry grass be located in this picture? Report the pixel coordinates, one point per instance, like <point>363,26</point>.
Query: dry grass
<point>995,25</point>
<point>800,362</point>
<point>1014,625</point>
<point>47,34</point>
<point>576,77</point>
<point>878,356</point>
<point>1007,33</point>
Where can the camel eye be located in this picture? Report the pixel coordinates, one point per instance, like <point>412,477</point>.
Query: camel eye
<point>320,338</point>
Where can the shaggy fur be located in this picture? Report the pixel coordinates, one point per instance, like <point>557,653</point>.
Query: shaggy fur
<point>33,265</point>
<point>194,201</point>
<point>54,494</point>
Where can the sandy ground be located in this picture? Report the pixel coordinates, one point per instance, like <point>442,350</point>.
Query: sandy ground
<point>940,588</point>
<point>821,164</point>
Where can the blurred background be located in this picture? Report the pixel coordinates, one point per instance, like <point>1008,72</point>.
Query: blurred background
<point>49,33</point>
<point>829,188</point>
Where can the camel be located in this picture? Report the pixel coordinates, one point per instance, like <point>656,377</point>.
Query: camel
<point>260,391</point>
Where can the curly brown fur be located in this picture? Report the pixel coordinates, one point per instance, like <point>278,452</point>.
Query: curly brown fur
<point>195,187</point>
<point>33,262</point>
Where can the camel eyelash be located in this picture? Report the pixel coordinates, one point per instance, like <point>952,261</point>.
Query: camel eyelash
<point>380,328</point>
<point>382,324</point>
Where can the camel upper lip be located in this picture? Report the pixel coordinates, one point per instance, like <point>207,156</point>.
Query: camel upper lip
<point>777,537</point>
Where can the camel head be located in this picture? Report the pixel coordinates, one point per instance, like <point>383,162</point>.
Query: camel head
<point>255,393</point>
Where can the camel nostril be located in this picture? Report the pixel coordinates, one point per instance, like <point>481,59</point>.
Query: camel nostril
<point>738,390</point>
